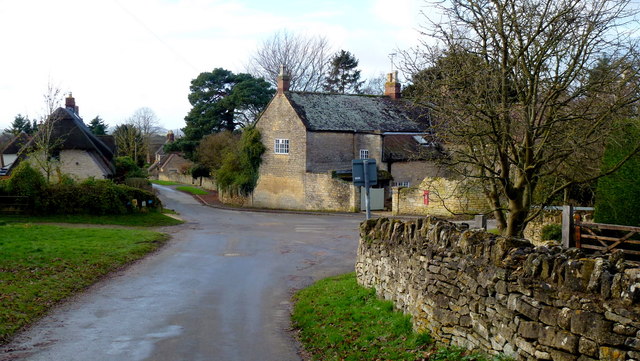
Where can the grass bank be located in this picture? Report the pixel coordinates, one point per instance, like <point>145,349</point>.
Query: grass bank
<point>40,265</point>
<point>150,219</point>
<point>339,320</point>
<point>164,183</point>
<point>192,190</point>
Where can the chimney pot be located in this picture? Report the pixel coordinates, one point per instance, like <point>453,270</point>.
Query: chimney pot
<point>70,103</point>
<point>283,80</point>
<point>392,86</point>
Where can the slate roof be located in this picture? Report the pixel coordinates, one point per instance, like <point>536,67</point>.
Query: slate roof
<point>361,113</point>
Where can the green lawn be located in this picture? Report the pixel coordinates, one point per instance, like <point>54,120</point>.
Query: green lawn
<point>150,219</point>
<point>192,190</point>
<point>40,265</point>
<point>340,320</point>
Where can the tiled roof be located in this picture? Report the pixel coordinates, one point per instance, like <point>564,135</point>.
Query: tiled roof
<point>361,113</point>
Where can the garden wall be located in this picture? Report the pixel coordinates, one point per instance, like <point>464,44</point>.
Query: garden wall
<point>499,295</point>
<point>437,196</point>
<point>207,183</point>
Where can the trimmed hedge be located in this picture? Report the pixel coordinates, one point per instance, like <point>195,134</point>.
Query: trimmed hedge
<point>97,197</point>
<point>618,195</point>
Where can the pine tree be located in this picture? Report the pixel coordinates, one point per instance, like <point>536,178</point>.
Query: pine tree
<point>20,124</point>
<point>343,77</point>
<point>97,126</point>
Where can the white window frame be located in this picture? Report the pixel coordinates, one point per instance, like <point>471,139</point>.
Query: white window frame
<point>281,146</point>
<point>405,184</point>
<point>364,153</point>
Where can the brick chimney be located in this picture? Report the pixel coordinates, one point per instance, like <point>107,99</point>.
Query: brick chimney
<point>170,137</point>
<point>392,86</point>
<point>283,80</point>
<point>70,103</point>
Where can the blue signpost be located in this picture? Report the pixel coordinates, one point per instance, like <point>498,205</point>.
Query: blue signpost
<point>365,174</point>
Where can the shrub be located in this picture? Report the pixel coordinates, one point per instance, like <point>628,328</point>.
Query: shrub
<point>127,168</point>
<point>141,183</point>
<point>239,171</point>
<point>26,181</point>
<point>551,232</point>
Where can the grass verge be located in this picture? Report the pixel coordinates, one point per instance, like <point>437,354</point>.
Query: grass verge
<point>40,265</point>
<point>339,320</point>
<point>164,182</point>
<point>150,219</point>
<point>192,190</point>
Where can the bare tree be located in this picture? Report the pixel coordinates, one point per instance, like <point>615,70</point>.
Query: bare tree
<point>129,142</point>
<point>521,95</point>
<point>374,85</point>
<point>146,122</point>
<point>42,148</point>
<point>306,58</point>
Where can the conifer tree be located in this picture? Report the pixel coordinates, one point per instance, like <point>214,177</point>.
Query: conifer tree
<point>343,76</point>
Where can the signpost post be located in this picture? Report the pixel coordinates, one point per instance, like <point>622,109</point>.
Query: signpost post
<point>365,174</point>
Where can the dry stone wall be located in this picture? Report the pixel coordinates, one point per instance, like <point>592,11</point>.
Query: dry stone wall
<point>502,295</point>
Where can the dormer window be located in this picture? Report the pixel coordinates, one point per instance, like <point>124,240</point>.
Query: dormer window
<point>281,146</point>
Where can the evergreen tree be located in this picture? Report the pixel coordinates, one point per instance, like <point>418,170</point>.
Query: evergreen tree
<point>223,100</point>
<point>97,126</point>
<point>343,77</point>
<point>20,124</point>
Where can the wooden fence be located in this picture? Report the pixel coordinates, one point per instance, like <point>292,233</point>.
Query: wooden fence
<point>600,237</point>
<point>13,204</point>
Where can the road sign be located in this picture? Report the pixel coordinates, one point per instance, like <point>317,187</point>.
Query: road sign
<point>358,172</point>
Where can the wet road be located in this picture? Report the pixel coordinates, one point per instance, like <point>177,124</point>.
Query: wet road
<point>219,290</point>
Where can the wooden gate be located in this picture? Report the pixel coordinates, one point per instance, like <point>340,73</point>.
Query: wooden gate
<point>600,237</point>
<point>607,237</point>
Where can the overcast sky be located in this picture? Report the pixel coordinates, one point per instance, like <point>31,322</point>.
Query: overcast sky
<point>116,56</point>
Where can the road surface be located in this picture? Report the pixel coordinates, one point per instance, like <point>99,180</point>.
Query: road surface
<point>220,290</point>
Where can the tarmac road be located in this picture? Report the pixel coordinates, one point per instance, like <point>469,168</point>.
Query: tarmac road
<point>220,290</point>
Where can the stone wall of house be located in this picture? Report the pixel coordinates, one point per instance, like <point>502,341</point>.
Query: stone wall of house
<point>176,164</point>
<point>281,176</point>
<point>372,143</point>
<point>499,295</point>
<point>328,151</point>
<point>445,198</point>
<point>80,165</point>
<point>413,172</point>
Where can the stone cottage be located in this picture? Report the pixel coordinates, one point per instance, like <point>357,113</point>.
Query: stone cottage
<point>310,138</point>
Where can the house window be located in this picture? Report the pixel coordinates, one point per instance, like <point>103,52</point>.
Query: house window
<point>402,184</point>
<point>282,146</point>
<point>364,153</point>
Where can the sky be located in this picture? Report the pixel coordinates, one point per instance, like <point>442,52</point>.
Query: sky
<point>116,56</point>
